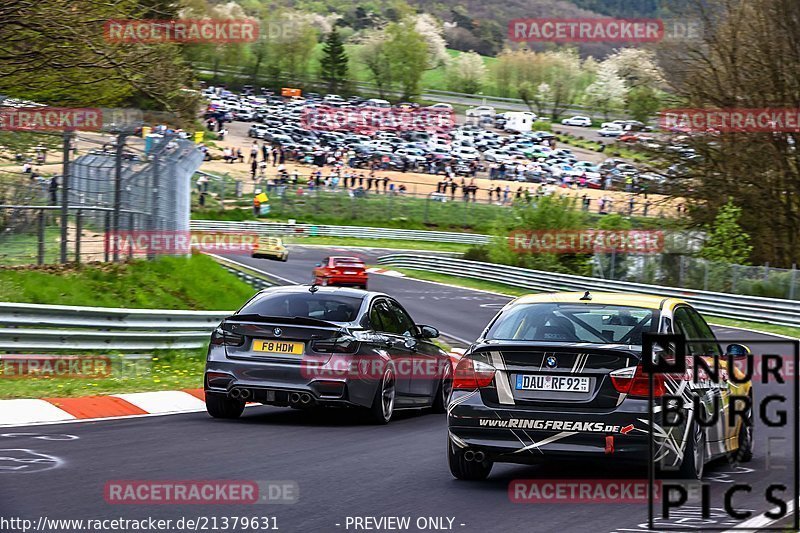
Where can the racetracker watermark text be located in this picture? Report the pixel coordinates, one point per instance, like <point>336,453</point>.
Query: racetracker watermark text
<point>180,242</point>
<point>181,31</point>
<point>367,120</point>
<point>731,120</point>
<point>586,241</point>
<point>579,491</point>
<point>200,492</point>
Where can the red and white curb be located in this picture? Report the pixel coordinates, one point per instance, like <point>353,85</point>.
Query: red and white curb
<point>385,272</point>
<point>48,410</point>
<point>24,412</point>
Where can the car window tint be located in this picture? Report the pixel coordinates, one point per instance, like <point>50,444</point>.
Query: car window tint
<point>375,318</point>
<point>327,307</point>
<point>711,347</point>
<point>388,320</point>
<point>570,323</point>
<point>685,325</point>
<point>405,324</point>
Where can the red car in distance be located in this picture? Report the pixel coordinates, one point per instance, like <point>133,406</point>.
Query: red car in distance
<point>341,271</point>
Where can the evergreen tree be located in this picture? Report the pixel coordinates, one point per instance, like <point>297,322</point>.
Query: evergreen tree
<point>334,61</point>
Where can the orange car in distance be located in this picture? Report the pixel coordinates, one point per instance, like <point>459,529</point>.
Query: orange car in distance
<point>341,271</point>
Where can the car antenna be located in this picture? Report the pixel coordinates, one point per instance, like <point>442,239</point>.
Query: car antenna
<point>586,296</point>
<point>313,288</point>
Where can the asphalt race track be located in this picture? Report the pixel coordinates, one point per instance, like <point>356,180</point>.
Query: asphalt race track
<point>345,468</point>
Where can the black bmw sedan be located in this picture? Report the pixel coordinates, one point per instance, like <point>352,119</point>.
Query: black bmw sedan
<point>301,346</point>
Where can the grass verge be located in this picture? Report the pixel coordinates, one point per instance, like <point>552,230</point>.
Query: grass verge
<point>517,291</point>
<point>195,283</point>
<point>381,243</point>
<point>161,370</point>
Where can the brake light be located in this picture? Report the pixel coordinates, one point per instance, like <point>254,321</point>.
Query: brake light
<point>471,375</point>
<point>335,345</point>
<point>221,337</point>
<point>633,381</point>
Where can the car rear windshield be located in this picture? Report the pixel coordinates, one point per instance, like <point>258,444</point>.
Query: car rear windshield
<point>353,263</point>
<point>330,307</point>
<point>550,322</point>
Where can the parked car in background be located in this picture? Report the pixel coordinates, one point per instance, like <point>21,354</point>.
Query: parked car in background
<point>578,120</point>
<point>613,130</point>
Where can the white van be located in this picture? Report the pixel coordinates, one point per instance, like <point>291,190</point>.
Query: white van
<point>520,121</point>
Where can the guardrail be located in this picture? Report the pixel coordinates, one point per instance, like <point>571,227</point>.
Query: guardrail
<point>63,327</point>
<point>316,230</point>
<point>734,306</point>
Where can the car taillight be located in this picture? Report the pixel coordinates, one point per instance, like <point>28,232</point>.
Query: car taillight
<point>334,271</point>
<point>633,381</point>
<point>221,337</point>
<point>471,375</point>
<point>335,345</point>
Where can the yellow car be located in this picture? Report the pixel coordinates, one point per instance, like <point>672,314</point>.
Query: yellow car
<point>270,248</point>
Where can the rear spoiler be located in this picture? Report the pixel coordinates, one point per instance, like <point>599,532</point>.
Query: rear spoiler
<point>286,320</point>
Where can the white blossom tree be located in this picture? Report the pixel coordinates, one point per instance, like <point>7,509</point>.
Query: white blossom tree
<point>608,91</point>
<point>466,73</point>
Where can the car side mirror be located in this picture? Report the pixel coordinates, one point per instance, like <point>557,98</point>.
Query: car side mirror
<point>737,351</point>
<point>427,332</point>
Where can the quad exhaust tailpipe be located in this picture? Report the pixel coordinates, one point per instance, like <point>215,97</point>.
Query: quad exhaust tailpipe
<point>471,456</point>
<point>297,398</point>
<point>239,394</point>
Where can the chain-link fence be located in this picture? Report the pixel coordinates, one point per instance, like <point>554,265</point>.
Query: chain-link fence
<point>675,270</point>
<point>103,187</point>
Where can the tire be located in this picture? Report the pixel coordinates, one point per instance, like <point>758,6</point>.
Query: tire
<point>466,470</point>
<point>219,406</point>
<point>746,439</point>
<point>382,408</point>
<point>443,392</point>
<point>694,455</point>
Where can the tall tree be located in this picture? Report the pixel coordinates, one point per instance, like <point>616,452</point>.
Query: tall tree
<point>748,58</point>
<point>334,61</point>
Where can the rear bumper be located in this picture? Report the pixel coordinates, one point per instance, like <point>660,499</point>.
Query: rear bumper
<point>350,281</point>
<point>269,254</point>
<point>522,435</point>
<point>272,382</point>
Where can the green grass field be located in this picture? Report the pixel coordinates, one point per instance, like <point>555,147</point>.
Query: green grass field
<point>196,283</point>
<point>374,211</point>
<point>161,370</point>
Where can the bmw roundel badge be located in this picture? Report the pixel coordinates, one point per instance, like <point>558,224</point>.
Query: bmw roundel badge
<point>551,361</point>
<point>277,332</point>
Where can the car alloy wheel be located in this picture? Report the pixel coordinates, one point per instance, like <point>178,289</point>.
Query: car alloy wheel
<point>699,448</point>
<point>387,394</point>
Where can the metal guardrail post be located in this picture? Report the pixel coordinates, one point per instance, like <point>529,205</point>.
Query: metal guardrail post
<point>117,191</point>
<point>65,186</point>
<point>40,238</point>
<point>78,231</point>
<point>107,237</point>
